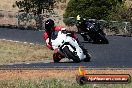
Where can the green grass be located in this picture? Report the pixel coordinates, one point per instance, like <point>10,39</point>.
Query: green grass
<point>54,83</point>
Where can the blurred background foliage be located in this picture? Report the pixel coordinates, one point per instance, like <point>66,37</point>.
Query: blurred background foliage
<point>99,9</point>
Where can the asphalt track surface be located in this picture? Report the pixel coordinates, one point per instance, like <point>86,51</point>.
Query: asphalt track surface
<point>116,54</point>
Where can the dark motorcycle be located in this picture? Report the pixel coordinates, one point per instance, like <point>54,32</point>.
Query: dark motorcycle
<point>92,30</point>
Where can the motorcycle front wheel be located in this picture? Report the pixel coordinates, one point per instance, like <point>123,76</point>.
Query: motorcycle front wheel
<point>71,55</point>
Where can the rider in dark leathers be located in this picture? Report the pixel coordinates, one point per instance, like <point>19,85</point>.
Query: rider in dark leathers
<point>82,24</point>
<point>81,27</point>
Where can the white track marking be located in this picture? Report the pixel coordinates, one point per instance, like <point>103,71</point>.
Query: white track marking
<point>22,42</point>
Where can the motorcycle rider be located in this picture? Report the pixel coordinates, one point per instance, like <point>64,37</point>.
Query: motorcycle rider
<point>51,33</point>
<point>82,24</point>
<point>81,27</point>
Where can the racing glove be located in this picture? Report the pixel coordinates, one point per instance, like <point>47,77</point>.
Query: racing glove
<point>49,45</point>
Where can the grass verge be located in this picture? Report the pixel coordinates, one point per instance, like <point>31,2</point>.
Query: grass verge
<point>55,83</point>
<point>53,79</point>
<point>11,52</point>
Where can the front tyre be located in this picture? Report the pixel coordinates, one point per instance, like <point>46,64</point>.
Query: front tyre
<point>71,55</point>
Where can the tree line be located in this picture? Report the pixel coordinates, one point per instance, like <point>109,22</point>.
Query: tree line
<point>95,9</point>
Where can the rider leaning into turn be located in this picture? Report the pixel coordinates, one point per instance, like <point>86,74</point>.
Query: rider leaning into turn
<point>81,26</point>
<point>50,33</point>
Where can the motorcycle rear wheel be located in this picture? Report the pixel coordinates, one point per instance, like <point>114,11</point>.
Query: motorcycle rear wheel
<point>71,55</point>
<point>88,57</point>
<point>100,39</point>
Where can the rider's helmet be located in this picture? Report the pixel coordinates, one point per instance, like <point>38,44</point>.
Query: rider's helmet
<point>80,22</point>
<point>49,25</point>
<point>80,19</point>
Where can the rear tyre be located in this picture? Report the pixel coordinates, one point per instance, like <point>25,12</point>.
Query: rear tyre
<point>88,58</point>
<point>100,39</point>
<point>104,40</point>
<point>71,55</point>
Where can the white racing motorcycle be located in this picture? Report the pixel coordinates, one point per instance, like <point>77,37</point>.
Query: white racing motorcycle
<point>68,47</point>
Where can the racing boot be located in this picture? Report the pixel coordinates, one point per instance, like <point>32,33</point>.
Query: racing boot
<point>57,57</point>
